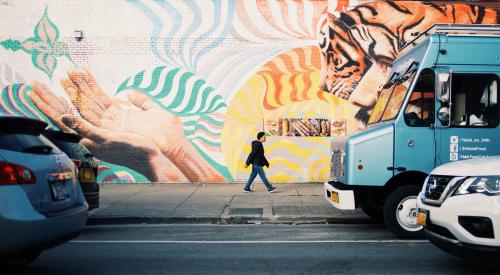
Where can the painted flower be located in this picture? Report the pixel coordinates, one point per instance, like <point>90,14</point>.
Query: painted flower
<point>43,46</point>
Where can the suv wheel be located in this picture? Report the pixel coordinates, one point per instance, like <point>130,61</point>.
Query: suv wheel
<point>400,212</point>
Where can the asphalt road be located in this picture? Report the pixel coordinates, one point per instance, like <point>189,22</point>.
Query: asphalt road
<point>235,249</point>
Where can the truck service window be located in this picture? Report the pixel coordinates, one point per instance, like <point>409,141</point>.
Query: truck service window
<point>474,100</point>
<point>420,109</point>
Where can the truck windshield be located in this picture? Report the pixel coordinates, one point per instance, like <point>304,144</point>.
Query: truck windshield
<point>379,108</point>
<point>391,99</point>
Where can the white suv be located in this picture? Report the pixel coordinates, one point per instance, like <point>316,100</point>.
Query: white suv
<point>459,207</point>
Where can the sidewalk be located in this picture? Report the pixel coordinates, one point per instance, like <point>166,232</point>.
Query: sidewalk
<point>218,204</point>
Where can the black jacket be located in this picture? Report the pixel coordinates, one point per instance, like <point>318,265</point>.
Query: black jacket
<point>257,157</point>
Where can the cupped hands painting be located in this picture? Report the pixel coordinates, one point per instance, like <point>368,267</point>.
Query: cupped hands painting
<point>175,91</point>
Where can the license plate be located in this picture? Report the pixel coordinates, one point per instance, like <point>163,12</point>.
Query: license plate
<point>59,190</point>
<point>422,217</point>
<point>335,197</point>
<point>86,175</point>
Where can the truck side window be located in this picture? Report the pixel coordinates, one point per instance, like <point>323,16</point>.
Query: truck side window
<point>474,100</point>
<point>419,111</point>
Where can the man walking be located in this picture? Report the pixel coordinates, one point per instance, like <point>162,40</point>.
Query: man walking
<point>258,161</point>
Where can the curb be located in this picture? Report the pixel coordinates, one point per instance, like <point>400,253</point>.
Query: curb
<point>118,220</point>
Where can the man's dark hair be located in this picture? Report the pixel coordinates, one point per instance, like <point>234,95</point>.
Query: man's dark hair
<point>362,115</point>
<point>260,134</point>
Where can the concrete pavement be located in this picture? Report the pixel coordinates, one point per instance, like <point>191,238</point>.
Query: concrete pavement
<point>218,204</point>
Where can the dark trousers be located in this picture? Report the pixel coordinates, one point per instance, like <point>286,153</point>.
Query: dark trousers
<point>256,169</point>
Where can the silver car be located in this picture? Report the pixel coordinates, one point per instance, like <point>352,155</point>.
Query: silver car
<point>41,202</point>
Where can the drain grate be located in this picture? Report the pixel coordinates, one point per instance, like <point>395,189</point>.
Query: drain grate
<point>246,211</point>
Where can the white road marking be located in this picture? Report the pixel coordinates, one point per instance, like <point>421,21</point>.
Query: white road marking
<point>241,242</point>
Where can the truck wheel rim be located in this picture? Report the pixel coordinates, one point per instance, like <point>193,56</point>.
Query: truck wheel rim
<point>406,214</point>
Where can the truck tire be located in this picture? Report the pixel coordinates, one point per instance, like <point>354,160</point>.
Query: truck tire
<point>400,214</point>
<point>376,214</point>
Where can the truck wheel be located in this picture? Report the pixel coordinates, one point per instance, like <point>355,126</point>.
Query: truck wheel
<point>373,213</point>
<point>400,212</point>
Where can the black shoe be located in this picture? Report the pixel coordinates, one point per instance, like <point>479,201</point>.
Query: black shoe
<point>272,190</point>
<point>245,190</point>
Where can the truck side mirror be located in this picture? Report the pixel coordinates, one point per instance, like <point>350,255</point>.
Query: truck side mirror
<point>444,86</point>
<point>444,116</point>
<point>443,95</point>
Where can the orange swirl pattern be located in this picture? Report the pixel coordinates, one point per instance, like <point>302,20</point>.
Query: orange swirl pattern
<point>292,77</point>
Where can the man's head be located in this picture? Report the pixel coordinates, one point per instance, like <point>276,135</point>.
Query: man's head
<point>261,136</point>
<point>362,118</point>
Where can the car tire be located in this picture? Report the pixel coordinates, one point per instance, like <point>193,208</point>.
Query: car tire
<point>400,214</point>
<point>376,214</point>
<point>21,259</point>
<point>29,258</point>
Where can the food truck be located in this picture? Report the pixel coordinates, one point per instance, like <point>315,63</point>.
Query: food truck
<point>439,104</point>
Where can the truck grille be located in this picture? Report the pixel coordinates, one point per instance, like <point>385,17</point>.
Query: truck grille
<point>338,163</point>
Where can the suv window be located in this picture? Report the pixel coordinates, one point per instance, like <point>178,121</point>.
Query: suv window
<point>73,150</point>
<point>29,143</point>
<point>419,111</point>
<point>474,100</point>
<point>65,148</point>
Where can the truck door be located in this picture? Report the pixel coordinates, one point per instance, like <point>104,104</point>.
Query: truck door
<point>470,118</point>
<point>414,135</point>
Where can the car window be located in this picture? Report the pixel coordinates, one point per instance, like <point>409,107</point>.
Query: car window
<point>66,148</point>
<point>79,149</point>
<point>73,150</point>
<point>21,142</point>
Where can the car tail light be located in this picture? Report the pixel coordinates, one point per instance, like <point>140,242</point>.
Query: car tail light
<point>77,162</point>
<point>11,174</point>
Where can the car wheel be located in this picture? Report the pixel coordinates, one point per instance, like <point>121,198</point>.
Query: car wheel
<point>400,212</point>
<point>21,259</point>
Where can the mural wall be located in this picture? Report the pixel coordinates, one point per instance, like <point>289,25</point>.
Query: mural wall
<point>175,91</point>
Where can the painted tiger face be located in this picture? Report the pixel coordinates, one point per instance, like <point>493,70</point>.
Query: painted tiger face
<point>344,62</point>
<point>359,46</point>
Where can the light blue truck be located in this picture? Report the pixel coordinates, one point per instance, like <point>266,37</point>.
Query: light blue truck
<point>440,104</point>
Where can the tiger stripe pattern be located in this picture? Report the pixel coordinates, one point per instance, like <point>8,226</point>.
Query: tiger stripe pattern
<point>363,42</point>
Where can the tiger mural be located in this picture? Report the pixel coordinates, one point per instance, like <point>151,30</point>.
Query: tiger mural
<point>359,46</point>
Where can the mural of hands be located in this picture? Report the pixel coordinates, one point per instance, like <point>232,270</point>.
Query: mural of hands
<point>133,132</point>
